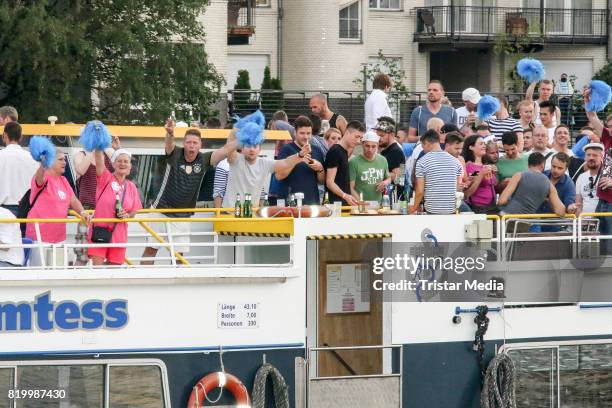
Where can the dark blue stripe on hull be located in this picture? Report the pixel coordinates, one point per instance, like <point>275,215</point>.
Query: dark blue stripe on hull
<point>446,375</point>
<point>185,369</point>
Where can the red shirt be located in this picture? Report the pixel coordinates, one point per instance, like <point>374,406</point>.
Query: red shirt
<point>606,169</point>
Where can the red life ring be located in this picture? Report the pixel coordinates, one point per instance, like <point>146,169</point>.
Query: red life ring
<point>221,380</point>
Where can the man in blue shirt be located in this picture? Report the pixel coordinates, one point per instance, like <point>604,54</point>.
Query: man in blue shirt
<point>432,109</point>
<point>566,190</point>
<point>304,178</point>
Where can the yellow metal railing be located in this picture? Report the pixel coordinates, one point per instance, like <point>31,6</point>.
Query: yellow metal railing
<point>137,131</point>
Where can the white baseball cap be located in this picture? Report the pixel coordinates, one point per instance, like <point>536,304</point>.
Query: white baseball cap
<point>593,146</point>
<point>471,95</point>
<point>370,136</point>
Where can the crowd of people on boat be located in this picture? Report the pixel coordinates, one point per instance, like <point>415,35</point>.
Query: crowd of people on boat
<point>503,165</point>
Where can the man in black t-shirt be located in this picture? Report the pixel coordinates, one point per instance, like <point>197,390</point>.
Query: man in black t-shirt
<point>182,178</point>
<point>337,164</point>
<point>391,150</point>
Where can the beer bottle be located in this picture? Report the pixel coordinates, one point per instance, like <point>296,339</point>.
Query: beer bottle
<point>173,116</point>
<point>292,200</point>
<point>326,198</point>
<point>118,206</point>
<point>247,209</point>
<point>266,202</point>
<point>190,119</point>
<point>237,207</point>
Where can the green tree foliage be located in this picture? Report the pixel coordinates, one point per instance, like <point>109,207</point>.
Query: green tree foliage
<point>271,99</point>
<point>243,81</point>
<point>118,60</point>
<point>388,65</point>
<point>605,73</point>
<point>267,79</point>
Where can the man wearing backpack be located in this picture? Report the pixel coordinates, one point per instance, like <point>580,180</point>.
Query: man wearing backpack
<point>16,168</point>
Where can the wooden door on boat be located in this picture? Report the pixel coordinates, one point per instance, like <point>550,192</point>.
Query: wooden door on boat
<point>349,312</point>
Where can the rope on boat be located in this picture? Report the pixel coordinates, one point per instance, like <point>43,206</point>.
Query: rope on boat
<point>482,324</point>
<point>279,387</point>
<point>499,384</point>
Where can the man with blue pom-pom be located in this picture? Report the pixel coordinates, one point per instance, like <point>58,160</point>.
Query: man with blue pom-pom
<point>249,173</point>
<point>604,183</point>
<point>183,175</point>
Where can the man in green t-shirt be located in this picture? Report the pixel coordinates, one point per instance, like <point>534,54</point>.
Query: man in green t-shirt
<point>369,172</point>
<point>513,162</point>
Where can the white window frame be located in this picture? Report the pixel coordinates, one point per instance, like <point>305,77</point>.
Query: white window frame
<point>377,7</point>
<point>106,363</point>
<point>266,3</point>
<point>359,21</point>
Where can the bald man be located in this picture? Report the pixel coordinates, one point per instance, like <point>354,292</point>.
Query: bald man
<point>319,107</point>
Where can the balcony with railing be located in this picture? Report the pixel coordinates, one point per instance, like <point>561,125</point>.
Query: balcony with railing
<point>240,20</point>
<point>473,26</point>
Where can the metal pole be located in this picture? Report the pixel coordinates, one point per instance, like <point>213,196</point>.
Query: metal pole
<point>365,80</point>
<point>542,18</point>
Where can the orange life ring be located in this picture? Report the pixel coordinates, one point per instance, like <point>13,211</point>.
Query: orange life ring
<point>221,380</point>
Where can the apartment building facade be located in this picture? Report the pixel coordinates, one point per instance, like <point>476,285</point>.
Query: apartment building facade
<point>323,44</point>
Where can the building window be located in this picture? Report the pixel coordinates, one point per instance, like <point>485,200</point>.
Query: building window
<point>385,4</point>
<point>350,22</point>
<point>262,3</point>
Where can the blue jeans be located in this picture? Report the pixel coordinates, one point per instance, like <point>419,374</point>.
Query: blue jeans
<point>464,207</point>
<point>605,225</point>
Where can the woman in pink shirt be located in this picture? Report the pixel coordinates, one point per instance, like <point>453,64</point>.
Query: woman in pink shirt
<point>480,194</point>
<point>54,197</point>
<point>110,188</point>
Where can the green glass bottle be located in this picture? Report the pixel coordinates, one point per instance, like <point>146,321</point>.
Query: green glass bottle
<point>118,206</point>
<point>266,201</point>
<point>237,207</point>
<point>247,208</point>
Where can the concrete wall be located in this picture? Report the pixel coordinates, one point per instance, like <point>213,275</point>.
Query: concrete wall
<point>264,41</point>
<point>214,20</point>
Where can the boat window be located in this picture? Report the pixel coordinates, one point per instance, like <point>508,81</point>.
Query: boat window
<point>136,387</point>
<point>148,173</point>
<point>82,385</point>
<point>582,378</point>
<point>536,377</point>
<point>7,378</point>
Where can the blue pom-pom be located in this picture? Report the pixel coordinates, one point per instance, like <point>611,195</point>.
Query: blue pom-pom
<point>487,107</point>
<point>600,96</point>
<point>255,117</point>
<point>530,70</point>
<point>42,150</point>
<point>95,136</point>
<point>251,134</point>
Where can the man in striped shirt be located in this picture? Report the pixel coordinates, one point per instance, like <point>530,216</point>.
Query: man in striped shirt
<point>437,176</point>
<point>503,123</point>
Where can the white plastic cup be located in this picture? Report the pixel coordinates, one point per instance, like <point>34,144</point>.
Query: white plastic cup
<point>337,211</point>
